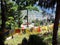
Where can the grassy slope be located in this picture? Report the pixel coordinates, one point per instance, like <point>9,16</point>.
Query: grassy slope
<point>18,39</point>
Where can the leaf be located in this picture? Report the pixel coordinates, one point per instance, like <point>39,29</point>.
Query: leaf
<point>36,9</point>
<point>10,17</point>
<point>30,7</point>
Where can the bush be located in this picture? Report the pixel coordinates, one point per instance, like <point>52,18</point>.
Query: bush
<point>33,21</point>
<point>24,41</point>
<point>36,24</point>
<point>35,40</point>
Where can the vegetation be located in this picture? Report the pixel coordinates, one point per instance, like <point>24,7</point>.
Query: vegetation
<point>21,38</point>
<point>10,9</point>
<point>35,40</point>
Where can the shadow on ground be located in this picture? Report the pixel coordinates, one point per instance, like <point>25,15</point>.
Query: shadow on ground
<point>33,40</point>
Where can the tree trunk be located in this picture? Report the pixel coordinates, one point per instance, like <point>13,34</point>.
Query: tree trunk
<point>27,17</point>
<point>56,23</point>
<point>3,13</point>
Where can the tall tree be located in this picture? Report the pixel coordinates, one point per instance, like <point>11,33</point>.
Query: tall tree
<point>56,23</point>
<point>44,3</point>
<point>3,14</point>
<point>29,8</point>
<point>11,12</point>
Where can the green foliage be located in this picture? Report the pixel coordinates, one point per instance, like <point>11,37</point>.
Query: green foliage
<point>33,21</point>
<point>13,14</point>
<point>11,8</point>
<point>10,18</point>
<point>28,2</point>
<point>10,22</point>
<point>14,9</point>
<point>30,7</point>
<point>41,22</point>
<point>36,24</point>
<point>20,22</point>
<point>42,3</point>
<point>8,25</point>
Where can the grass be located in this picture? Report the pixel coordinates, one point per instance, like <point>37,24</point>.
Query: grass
<point>19,37</point>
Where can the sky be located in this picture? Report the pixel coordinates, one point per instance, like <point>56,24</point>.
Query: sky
<point>46,10</point>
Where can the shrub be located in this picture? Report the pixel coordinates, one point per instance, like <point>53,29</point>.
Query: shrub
<point>33,21</point>
<point>24,41</point>
<point>36,24</point>
<point>35,40</point>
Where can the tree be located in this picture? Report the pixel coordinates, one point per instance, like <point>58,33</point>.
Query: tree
<point>50,4</point>
<point>3,18</point>
<point>26,5</point>
<point>56,23</point>
<point>30,7</point>
<point>11,8</point>
<point>3,14</point>
<point>11,12</point>
<point>43,3</point>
